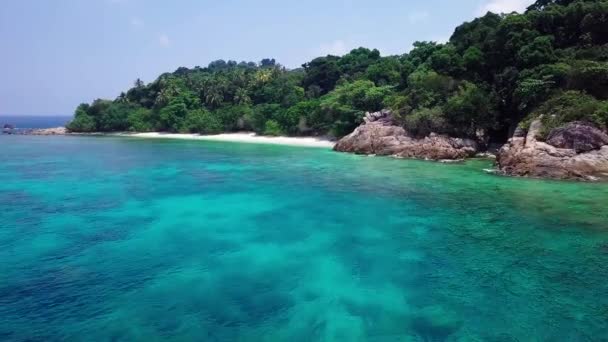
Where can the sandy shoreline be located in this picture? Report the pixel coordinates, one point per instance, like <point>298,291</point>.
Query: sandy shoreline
<point>241,137</point>
<point>251,138</point>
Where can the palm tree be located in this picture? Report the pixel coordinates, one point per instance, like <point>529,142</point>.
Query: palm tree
<point>241,97</point>
<point>166,94</point>
<point>214,97</point>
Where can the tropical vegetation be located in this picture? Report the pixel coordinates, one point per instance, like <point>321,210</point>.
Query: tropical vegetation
<point>495,72</point>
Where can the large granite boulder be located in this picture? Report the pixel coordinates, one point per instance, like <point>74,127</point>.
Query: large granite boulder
<point>574,151</point>
<point>438,147</point>
<point>379,135</point>
<point>578,136</point>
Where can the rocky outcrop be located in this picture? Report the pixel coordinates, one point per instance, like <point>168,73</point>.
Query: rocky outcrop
<point>47,131</point>
<point>574,151</point>
<point>8,129</point>
<point>578,136</point>
<point>379,135</point>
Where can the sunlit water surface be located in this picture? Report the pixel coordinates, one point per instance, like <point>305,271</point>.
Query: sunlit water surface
<point>118,239</point>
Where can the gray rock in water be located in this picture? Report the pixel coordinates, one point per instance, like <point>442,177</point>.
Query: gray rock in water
<point>379,135</point>
<point>48,131</point>
<point>530,157</point>
<point>8,128</point>
<point>579,136</point>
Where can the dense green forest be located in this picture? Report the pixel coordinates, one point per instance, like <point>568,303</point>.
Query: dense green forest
<point>495,72</point>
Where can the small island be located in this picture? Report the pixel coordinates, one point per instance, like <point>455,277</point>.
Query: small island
<point>496,78</point>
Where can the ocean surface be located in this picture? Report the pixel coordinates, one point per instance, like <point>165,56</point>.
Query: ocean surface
<point>29,122</point>
<point>126,239</point>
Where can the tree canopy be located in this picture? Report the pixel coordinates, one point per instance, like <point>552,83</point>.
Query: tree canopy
<point>494,72</point>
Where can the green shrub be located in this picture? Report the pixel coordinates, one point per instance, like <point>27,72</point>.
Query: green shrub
<point>302,117</point>
<point>424,121</point>
<point>591,77</point>
<point>469,110</point>
<point>231,116</point>
<point>201,121</point>
<point>399,105</point>
<point>171,116</point>
<point>82,123</point>
<point>262,113</point>
<point>572,106</point>
<point>140,120</point>
<point>272,128</point>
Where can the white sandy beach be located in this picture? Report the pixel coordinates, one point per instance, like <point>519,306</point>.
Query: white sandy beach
<point>239,137</point>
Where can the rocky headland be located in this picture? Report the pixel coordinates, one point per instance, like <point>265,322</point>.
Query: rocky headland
<point>577,150</point>
<point>380,135</point>
<point>574,151</point>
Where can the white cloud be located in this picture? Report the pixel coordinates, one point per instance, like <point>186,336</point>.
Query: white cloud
<point>163,40</point>
<point>417,17</point>
<point>337,48</point>
<point>137,22</point>
<point>503,6</point>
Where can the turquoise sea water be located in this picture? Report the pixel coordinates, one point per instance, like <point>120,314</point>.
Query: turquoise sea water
<point>119,239</point>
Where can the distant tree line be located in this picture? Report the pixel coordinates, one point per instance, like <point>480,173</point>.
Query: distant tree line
<point>495,72</point>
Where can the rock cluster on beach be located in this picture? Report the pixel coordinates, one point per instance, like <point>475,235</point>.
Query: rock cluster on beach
<point>10,129</point>
<point>47,131</point>
<point>575,151</point>
<point>380,135</point>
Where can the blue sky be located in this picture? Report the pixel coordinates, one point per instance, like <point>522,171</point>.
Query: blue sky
<point>57,54</point>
